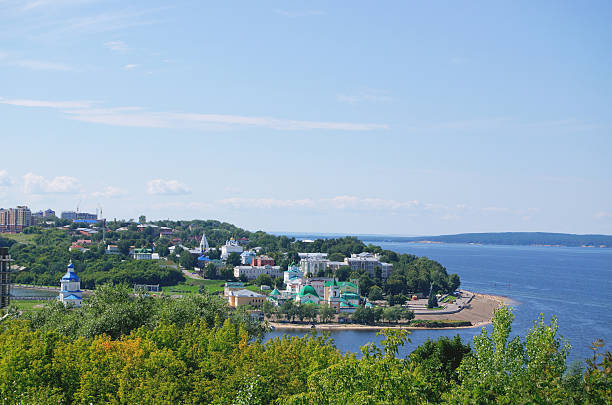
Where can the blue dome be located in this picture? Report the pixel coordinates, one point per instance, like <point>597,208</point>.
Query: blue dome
<point>70,265</point>
<point>203,258</point>
<point>70,276</point>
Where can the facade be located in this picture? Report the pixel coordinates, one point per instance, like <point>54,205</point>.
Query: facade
<point>73,215</point>
<point>247,257</point>
<point>237,298</point>
<point>308,295</point>
<point>112,250</point>
<point>5,277</point>
<point>263,261</point>
<point>312,255</point>
<point>15,220</point>
<point>231,246</point>
<point>165,231</point>
<point>252,272</point>
<point>313,265</point>
<point>143,254</point>
<point>70,288</point>
<point>204,244</point>
<point>369,263</point>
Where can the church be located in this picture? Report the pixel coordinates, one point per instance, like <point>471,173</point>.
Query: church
<point>70,288</point>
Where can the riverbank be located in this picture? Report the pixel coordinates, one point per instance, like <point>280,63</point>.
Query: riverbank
<point>478,312</point>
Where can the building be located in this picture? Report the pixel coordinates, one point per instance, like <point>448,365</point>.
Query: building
<point>247,257</point>
<point>368,262</point>
<point>5,277</point>
<point>312,255</point>
<point>165,231</point>
<point>15,220</point>
<point>74,215</point>
<point>143,254</point>
<point>313,265</point>
<point>70,288</point>
<point>204,244</point>
<point>237,298</point>
<point>112,250</point>
<point>252,272</point>
<point>263,261</point>
<point>231,246</point>
<point>308,295</point>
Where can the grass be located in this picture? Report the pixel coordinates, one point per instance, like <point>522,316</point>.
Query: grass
<point>435,309</point>
<point>28,305</point>
<point>192,286</point>
<point>27,238</point>
<point>449,298</point>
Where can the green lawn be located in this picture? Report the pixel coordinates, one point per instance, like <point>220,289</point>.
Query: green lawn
<point>29,305</point>
<point>449,298</point>
<point>27,238</point>
<point>191,286</point>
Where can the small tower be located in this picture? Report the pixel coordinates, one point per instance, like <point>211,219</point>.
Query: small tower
<point>70,290</point>
<point>204,244</point>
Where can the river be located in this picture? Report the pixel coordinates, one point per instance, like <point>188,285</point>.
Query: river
<point>575,284</point>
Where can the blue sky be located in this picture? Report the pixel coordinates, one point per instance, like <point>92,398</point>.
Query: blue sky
<point>391,117</point>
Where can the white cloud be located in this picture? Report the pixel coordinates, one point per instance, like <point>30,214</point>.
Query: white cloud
<point>47,104</point>
<point>345,202</point>
<point>109,192</point>
<point>266,203</point>
<point>116,46</point>
<point>130,66</point>
<point>34,184</point>
<point>167,187</point>
<point>603,215</point>
<point>5,179</point>
<point>138,117</point>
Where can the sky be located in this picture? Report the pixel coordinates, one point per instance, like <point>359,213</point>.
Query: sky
<point>357,117</point>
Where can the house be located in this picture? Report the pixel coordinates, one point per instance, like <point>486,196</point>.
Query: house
<point>76,247</point>
<point>237,298</point>
<point>143,254</point>
<point>308,295</point>
<point>252,272</point>
<point>368,262</point>
<point>112,250</point>
<point>165,231</point>
<point>263,261</point>
<point>247,257</point>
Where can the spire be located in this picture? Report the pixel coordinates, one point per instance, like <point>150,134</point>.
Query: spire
<point>204,244</point>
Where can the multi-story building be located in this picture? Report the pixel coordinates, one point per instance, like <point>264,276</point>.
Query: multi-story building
<point>237,298</point>
<point>252,272</point>
<point>5,277</point>
<point>313,264</point>
<point>82,216</point>
<point>113,250</point>
<point>231,246</point>
<point>263,261</point>
<point>368,262</point>
<point>247,257</point>
<point>15,220</point>
<point>143,254</point>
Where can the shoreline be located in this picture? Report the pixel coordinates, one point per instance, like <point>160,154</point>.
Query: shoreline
<point>479,312</point>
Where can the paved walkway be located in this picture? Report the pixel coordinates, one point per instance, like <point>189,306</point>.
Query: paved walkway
<point>189,274</point>
<point>420,308</point>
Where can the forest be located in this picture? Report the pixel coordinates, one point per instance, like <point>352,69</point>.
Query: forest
<point>125,348</point>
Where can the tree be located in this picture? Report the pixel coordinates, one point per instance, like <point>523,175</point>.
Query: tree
<point>393,314</point>
<point>279,283</point>
<point>268,309</point>
<point>187,260</point>
<point>326,313</point>
<point>453,283</point>
<point>432,302</point>
<point>142,219</point>
<point>289,310</point>
<point>365,283</point>
<point>264,279</point>
<point>227,273</point>
<point>375,293</point>
<point>211,271</point>
<point>233,259</point>
<point>336,257</point>
<point>343,273</point>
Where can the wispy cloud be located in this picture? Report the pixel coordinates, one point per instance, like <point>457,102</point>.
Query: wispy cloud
<point>130,66</point>
<point>344,203</point>
<point>138,117</point>
<point>5,179</point>
<point>368,96</point>
<point>603,215</point>
<point>116,46</point>
<point>34,64</point>
<point>296,14</point>
<point>31,5</point>
<point>167,187</point>
<point>109,192</point>
<point>35,184</point>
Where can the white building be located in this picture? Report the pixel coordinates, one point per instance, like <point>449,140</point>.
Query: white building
<point>316,255</point>
<point>112,250</point>
<point>204,244</point>
<point>231,246</point>
<point>70,288</point>
<point>247,257</point>
<point>313,264</point>
<point>368,262</point>
<point>252,272</point>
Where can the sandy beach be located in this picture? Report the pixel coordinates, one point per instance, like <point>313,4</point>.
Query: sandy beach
<point>479,312</point>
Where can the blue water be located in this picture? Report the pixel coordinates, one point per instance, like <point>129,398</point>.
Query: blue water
<point>575,284</point>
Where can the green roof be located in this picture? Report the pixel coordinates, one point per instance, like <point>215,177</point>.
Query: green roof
<point>347,284</point>
<point>308,289</point>
<point>331,283</point>
<point>275,292</point>
<point>350,295</point>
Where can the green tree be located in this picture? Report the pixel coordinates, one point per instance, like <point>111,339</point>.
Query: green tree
<point>142,219</point>
<point>187,260</point>
<point>326,313</point>
<point>343,273</point>
<point>211,271</point>
<point>432,301</point>
<point>264,279</point>
<point>375,293</point>
<point>233,259</point>
<point>227,273</point>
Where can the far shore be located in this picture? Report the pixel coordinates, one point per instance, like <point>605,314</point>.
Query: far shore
<point>479,312</point>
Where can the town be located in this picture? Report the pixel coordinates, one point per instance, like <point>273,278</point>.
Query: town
<point>273,277</point>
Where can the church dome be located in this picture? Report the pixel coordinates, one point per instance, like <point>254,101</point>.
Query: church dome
<point>308,289</point>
